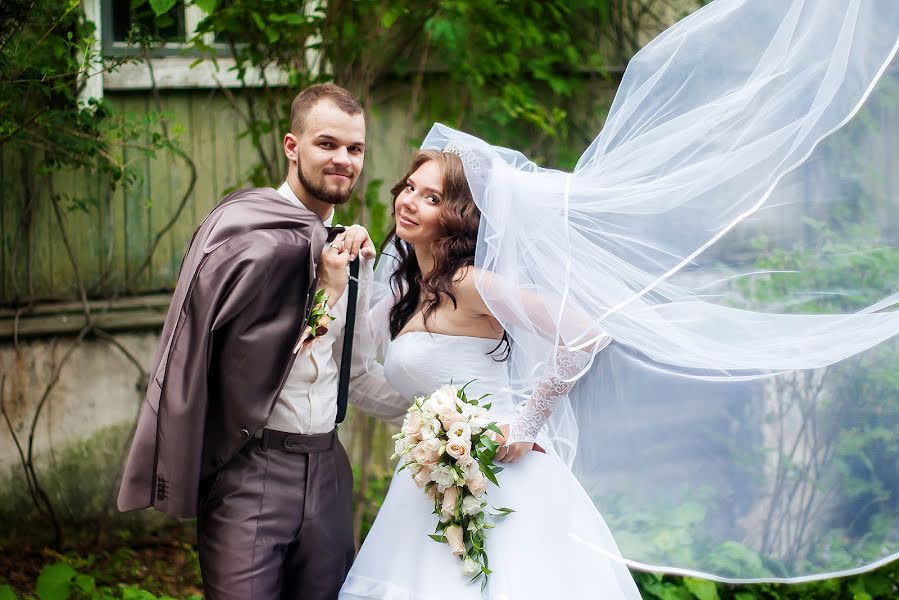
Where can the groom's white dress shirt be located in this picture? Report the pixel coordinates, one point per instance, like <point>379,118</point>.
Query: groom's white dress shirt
<point>308,401</point>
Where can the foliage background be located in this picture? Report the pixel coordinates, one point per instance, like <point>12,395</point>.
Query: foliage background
<point>535,76</point>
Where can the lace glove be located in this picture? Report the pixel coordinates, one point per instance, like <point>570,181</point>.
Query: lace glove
<point>551,390</point>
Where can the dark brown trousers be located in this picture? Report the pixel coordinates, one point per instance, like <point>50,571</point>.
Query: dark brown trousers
<point>277,525</point>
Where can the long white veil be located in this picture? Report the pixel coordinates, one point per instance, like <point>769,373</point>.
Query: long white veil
<point>734,229</point>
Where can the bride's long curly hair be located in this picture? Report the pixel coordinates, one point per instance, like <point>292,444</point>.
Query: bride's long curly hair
<point>459,217</point>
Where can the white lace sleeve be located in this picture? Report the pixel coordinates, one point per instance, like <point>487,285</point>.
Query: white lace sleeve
<point>552,389</point>
<point>369,389</point>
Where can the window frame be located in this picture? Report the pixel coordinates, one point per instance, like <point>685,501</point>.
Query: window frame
<point>173,67</point>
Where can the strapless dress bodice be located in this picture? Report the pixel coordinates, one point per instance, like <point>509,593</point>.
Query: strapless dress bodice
<point>419,362</point>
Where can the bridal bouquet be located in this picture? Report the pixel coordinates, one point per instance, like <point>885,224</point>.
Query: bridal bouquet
<point>447,445</point>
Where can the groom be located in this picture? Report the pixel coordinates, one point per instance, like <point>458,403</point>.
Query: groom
<point>238,428</point>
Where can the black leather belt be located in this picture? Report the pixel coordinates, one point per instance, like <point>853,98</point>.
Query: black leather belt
<point>296,442</point>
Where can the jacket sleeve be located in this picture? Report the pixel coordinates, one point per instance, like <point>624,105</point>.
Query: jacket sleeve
<point>227,280</point>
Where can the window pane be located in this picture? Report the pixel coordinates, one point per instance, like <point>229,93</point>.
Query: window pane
<point>127,13</point>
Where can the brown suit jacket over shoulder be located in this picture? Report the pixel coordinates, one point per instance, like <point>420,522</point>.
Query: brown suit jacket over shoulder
<point>239,308</point>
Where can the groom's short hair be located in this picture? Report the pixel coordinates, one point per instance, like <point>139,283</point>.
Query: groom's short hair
<point>314,94</point>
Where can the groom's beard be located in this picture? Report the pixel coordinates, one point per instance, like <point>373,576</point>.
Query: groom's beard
<point>319,191</point>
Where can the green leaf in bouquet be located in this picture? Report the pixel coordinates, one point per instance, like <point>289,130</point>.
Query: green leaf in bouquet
<point>488,473</point>
<point>492,427</point>
<point>488,406</point>
<point>438,538</point>
<point>502,511</point>
<point>488,441</point>
<point>461,393</point>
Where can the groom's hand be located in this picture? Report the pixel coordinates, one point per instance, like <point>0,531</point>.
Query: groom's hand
<point>332,268</point>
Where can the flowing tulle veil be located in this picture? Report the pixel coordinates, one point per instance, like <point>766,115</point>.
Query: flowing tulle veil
<point>734,229</point>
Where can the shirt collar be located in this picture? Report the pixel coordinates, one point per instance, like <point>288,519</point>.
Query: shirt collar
<point>286,191</point>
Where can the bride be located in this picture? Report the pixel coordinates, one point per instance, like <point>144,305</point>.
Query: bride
<point>714,230</point>
<point>441,331</point>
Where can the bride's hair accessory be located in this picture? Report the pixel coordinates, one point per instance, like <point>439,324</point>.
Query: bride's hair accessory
<point>469,159</point>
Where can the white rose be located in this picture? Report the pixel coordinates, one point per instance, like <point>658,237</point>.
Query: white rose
<point>430,429</point>
<point>480,423</point>
<point>453,535</point>
<point>442,475</point>
<point>429,409</point>
<point>470,568</point>
<point>469,469</point>
<point>399,446</point>
<point>472,506</point>
<point>448,506</point>
<point>478,418</point>
<point>459,431</point>
<point>458,448</point>
<point>445,396</point>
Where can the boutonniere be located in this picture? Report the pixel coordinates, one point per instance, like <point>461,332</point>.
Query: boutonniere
<point>320,316</point>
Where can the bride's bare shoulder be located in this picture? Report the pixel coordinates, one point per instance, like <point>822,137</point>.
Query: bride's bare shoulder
<point>465,284</point>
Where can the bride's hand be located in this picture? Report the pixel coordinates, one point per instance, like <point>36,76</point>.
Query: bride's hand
<point>511,452</point>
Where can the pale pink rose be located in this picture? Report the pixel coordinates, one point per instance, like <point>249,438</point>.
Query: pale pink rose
<point>465,462</point>
<point>448,415</point>
<point>453,535</point>
<point>458,448</point>
<point>477,484</point>
<point>422,477</point>
<point>425,453</point>
<point>431,493</point>
<point>448,507</point>
<point>413,424</point>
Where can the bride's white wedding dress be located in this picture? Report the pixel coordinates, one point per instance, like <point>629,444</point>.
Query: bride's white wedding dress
<point>554,546</point>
